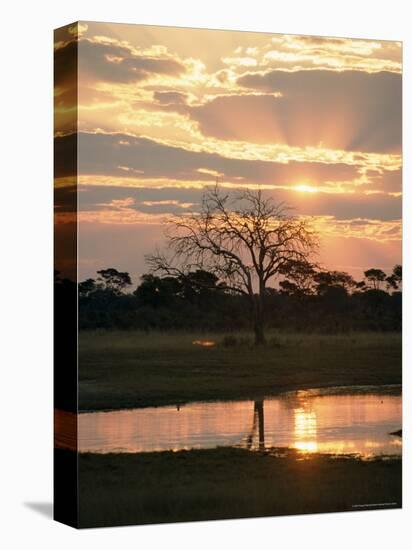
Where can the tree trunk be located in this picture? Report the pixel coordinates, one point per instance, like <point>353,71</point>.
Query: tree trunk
<point>259,317</point>
<point>260,339</point>
<point>261,423</point>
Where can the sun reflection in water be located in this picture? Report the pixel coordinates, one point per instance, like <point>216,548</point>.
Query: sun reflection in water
<point>307,421</point>
<point>305,430</point>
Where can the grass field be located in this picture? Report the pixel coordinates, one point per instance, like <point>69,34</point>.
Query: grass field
<point>136,369</point>
<point>119,489</point>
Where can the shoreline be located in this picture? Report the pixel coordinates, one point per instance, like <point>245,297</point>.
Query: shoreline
<point>371,389</point>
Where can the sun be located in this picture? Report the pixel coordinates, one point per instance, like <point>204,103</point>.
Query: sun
<point>304,188</point>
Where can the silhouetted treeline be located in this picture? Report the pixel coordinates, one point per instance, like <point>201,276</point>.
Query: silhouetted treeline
<point>306,300</point>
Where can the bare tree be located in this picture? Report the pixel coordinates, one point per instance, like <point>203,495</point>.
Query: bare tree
<point>244,240</point>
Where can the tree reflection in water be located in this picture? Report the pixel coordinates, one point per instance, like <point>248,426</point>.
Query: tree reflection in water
<point>257,426</point>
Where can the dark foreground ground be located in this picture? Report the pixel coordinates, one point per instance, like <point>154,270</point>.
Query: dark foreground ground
<point>120,489</point>
<point>120,369</point>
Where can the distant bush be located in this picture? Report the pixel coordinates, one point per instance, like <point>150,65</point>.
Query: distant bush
<point>168,304</point>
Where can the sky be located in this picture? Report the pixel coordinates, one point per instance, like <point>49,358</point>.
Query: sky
<point>164,112</point>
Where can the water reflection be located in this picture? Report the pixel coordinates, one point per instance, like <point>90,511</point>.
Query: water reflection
<point>258,427</point>
<point>309,421</point>
<point>305,430</point>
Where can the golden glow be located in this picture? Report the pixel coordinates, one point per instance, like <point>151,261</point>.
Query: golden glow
<point>306,446</point>
<point>204,343</point>
<point>305,430</point>
<point>304,188</point>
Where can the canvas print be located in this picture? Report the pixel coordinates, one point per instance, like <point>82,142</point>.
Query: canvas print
<point>228,274</point>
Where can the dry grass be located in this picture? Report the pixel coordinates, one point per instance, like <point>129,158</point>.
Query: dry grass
<point>135,369</point>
